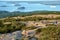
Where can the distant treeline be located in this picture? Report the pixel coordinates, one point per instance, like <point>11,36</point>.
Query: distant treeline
<point>18,13</point>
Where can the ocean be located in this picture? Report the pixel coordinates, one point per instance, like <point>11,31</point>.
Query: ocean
<point>26,6</point>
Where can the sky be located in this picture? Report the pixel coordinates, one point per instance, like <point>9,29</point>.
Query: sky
<point>29,0</point>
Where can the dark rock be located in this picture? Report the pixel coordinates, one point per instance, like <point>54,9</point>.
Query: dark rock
<point>21,8</point>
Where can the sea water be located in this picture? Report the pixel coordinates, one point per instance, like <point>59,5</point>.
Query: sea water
<point>26,7</point>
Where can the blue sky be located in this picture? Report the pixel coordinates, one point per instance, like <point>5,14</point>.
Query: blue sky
<point>29,0</point>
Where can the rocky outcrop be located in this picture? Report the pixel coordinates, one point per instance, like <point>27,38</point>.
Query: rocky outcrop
<point>11,36</point>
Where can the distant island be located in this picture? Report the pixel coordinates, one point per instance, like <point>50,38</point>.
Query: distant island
<point>18,13</point>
